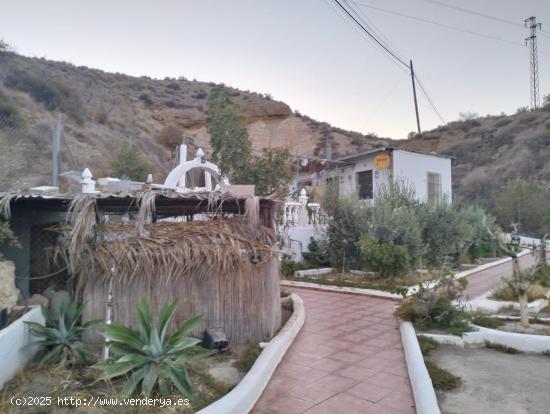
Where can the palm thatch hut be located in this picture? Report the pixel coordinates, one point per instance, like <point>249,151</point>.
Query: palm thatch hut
<point>216,254</point>
<point>224,269</point>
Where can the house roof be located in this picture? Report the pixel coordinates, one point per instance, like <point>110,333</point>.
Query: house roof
<point>352,157</point>
<point>167,202</point>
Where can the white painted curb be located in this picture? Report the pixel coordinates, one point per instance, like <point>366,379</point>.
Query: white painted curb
<point>244,396</point>
<point>421,384</point>
<point>522,342</point>
<point>313,272</point>
<point>13,339</point>
<point>484,304</point>
<point>343,289</point>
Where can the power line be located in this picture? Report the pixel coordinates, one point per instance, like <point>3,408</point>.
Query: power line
<point>425,93</point>
<point>448,26</point>
<point>355,28</point>
<point>364,29</point>
<point>369,24</point>
<point>475,13</point>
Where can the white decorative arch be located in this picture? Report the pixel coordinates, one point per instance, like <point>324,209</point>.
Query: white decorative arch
<point>176,178</point>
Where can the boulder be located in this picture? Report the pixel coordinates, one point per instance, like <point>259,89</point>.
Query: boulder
<point>8,291</point>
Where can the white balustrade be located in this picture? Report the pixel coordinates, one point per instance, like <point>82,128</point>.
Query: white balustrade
<point>302,213</point>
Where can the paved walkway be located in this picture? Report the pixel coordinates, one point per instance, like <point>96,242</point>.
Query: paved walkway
<point>348,358</point>
<point>484,280</point>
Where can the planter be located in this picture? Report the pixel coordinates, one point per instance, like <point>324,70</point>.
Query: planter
<point>13,341</point>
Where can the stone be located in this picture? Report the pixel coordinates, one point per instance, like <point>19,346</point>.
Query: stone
<point>38,299</point>
<point>8,291</point>
<point>57,297</point>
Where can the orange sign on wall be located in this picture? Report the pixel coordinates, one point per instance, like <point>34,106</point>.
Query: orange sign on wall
<point>382,161</point>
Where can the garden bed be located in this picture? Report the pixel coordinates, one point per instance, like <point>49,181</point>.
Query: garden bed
<point>363,280</point>
<point>211,379</point>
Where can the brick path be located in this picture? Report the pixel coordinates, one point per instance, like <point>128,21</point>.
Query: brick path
<point>348,358</point>
<point>485,280</point>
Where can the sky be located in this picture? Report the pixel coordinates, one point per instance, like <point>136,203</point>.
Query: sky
<point>304,52</point>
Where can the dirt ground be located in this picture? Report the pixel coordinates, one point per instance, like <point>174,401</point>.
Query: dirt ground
<point>494,382</point>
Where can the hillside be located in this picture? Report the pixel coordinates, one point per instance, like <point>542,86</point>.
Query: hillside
<point>103,112</point>
<point>492,150</point>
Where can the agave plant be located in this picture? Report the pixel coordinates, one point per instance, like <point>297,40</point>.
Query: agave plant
<point>61,337</point>
<point>150,358</point>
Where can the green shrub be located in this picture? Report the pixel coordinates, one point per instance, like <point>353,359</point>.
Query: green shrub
<point>288,267</point>
<point>315,258</point>
<point>53,94</point>
<point>441,378</point>
<point>486,321</point>
<point>434,309</point>
<point>152,359</point>
<point>61,338</point>
<point>505,292</point>
<point>130,164</point>
<point>427,344</point>
<point>542,276</point>
<point>348,224</point>
<point>385,258</point>
<point>146,99</point>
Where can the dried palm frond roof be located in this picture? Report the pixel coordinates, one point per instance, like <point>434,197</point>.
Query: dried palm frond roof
<point>172,249</point>
<point>167,202</point>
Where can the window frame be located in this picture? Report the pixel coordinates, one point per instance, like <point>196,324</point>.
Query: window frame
<point>436,197</point>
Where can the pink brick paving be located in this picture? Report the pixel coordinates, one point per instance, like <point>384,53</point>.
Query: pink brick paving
<point>348,358</point>
<point>485,280</point>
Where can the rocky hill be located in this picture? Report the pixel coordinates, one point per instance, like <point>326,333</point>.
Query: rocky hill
<point>492,150</point>
<point>105,112</point>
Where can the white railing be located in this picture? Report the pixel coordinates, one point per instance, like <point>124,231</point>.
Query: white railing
<point>302,213</point>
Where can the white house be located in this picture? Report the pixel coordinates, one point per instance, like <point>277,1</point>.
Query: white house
<point>366,173</point>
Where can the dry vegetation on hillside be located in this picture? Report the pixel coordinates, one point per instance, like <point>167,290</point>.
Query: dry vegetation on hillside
<point>103,112</point>
<point>492,150</point>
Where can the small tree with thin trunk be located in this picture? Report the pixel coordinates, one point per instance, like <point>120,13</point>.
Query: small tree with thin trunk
<point>520,282</point>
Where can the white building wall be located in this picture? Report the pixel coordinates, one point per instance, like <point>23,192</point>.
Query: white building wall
<point>348,183</point>
<point>414,168</point>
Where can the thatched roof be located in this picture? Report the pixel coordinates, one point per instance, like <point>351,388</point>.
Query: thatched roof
<point>174,249</point>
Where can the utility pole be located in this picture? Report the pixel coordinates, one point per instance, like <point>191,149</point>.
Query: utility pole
<point>531,41</point>
<point>415,101</point>
<point>56,145</point>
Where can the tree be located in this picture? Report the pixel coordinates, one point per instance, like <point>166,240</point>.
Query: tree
<point>130,164</point>
<point>4,47</point>
<point>231,148</point>
<point>520,282</point>
<point>270,172</point>
<point>526,205</point>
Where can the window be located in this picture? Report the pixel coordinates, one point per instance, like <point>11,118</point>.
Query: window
<point>434,187</point>
<point>364,184</point>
